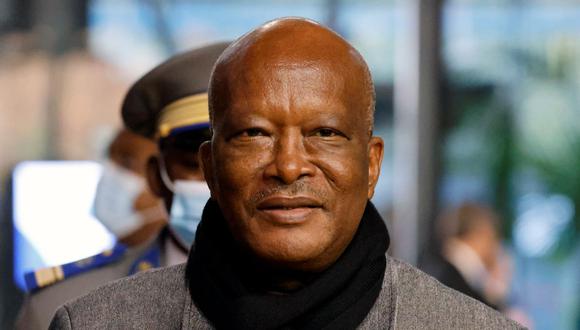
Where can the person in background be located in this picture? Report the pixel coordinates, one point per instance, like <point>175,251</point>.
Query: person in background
<point>168,108</point>
<point>125,206</point>
<point>471,259</point>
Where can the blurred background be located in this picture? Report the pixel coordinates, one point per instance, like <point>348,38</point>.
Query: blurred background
<point>478,101</point>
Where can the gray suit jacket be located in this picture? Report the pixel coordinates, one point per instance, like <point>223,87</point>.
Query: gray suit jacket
<point>159,299</point>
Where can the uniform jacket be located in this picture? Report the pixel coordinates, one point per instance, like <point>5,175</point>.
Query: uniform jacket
<point>159,299</point>
<point>39,307</point>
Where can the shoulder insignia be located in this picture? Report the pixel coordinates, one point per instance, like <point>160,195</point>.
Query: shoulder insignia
<point>44,277</point>
<point>148,260</point>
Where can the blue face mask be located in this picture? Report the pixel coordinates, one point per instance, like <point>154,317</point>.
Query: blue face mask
<point>189,199</point>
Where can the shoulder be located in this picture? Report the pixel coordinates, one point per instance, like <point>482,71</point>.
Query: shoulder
<point>45,277</point>
<point>423,302</point>
<point>39,306</point>
<point>51,287</point>
<point>145,300</point>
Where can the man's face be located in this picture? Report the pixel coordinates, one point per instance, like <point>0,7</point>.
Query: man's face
<point>178,159</point>
<point>291,163</point>
<point>178,165</point>
<point>132,152</point>
<point>180,154</point>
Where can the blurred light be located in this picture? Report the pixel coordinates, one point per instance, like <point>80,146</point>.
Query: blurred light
<point>540,223</point>
<point>52,214</point>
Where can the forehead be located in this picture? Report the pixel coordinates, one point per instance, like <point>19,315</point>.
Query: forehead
<point>318,89</point>
<point>295,91</point>
<point>284,80</point>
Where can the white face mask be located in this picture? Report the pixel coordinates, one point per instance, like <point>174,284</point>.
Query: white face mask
<point>189,199</point>
<point>115,198</point>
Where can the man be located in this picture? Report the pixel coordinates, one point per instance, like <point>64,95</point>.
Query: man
<point>470,260</point>
<point>289,239</point>
<point>169,105</point>
<point>175,89</point>
<point>123,204</point>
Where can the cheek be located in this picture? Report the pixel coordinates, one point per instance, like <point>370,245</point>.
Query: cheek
<point>344,168</point>
<point>238,169</point>
<point>347,175</point>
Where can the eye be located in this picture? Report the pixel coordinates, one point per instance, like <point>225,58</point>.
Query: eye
<point>328,133</point>
<point>325,132</point>
<point>249,134</point>
<point>252,132</point>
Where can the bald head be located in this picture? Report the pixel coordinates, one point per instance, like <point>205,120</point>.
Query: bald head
<point>289,51</point>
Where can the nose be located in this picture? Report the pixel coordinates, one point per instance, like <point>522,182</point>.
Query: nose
<point>290,160</point>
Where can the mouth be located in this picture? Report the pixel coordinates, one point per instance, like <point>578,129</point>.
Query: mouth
<point>284,210</point>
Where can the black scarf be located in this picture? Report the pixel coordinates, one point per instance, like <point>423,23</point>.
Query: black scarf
<point>338,298</point>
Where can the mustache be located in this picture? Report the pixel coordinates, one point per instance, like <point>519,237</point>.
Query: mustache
<point>295,189</point>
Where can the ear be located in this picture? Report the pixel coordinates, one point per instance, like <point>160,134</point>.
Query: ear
<point>375,149</point>
<point>206,162</point>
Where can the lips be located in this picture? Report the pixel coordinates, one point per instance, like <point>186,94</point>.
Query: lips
<point>284,210</point>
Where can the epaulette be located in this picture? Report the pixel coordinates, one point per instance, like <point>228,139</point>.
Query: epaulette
<point>47,276</point>
<point>148,260</point>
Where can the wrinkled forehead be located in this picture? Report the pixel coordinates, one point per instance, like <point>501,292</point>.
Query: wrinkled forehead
<point>321,78</point>
<point>266,73</point>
